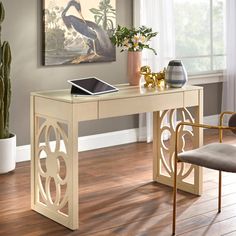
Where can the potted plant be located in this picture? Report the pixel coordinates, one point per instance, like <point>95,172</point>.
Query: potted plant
<point>7,140</point>
<point>133,40</point>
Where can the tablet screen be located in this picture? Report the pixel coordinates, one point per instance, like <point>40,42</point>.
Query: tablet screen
<point>93,85</point>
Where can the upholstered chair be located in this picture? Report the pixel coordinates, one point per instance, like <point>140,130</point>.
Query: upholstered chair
<point>217,156</point>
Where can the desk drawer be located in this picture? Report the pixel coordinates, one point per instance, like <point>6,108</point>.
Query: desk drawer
<point>121,107</point>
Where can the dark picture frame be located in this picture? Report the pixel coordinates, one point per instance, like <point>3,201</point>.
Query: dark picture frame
<point>78,31</point>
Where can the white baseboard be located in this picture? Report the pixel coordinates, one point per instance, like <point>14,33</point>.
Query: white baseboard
<point>103,140</point>
<point>23,153</point>
<point>90,142</point>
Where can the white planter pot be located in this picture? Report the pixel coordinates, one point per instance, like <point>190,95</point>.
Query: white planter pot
<point>7,154</point>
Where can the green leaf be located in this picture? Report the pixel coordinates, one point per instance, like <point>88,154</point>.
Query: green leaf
<point>95,11</point>
<point>98,19</point>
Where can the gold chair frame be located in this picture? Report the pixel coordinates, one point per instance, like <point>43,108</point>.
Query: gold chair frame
<point>197,125</point>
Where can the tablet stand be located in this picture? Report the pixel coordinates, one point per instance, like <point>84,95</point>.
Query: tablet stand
<point>78,91</point>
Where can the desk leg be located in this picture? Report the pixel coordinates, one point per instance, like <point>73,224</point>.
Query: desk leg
<point>164,123</point>
<point>54,167</point>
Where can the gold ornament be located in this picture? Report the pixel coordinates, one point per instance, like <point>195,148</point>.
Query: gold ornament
<point>160,78</point>
<point>148,76</point>
<point>153,79</point>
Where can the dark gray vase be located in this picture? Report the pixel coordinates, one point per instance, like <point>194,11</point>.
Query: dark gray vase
<point>176,75</point>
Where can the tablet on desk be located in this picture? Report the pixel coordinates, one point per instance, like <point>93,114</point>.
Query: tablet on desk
<point>92,86</point>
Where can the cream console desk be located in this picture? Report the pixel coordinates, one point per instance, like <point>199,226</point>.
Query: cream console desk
<point>55,115</point>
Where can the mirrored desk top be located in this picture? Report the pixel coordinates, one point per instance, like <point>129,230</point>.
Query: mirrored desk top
<point>125,91</point>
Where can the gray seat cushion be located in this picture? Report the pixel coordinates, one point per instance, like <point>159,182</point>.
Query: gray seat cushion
<point>218,156</point>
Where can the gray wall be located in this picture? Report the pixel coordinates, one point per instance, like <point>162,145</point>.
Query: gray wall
<point>22,29</point>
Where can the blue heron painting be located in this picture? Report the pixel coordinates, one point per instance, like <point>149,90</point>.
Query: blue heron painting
<point>78,31</point>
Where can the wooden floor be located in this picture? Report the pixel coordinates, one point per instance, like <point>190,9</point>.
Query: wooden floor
<point>118,197</point>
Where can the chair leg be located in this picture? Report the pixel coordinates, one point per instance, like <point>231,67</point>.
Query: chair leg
<point>219,194</point>
<point>174,198</point>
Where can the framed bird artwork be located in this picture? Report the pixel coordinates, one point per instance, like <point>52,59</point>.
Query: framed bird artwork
<point>78,31</point>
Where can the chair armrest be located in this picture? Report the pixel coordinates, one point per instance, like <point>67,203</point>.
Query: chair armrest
<point>220,128</point>
<point>222,115</point>
<point>225,113</point>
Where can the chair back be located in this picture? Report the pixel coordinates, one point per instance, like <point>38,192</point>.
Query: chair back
<point>232,122</point>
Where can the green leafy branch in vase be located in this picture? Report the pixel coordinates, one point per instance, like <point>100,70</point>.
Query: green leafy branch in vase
<point>133,39</point>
